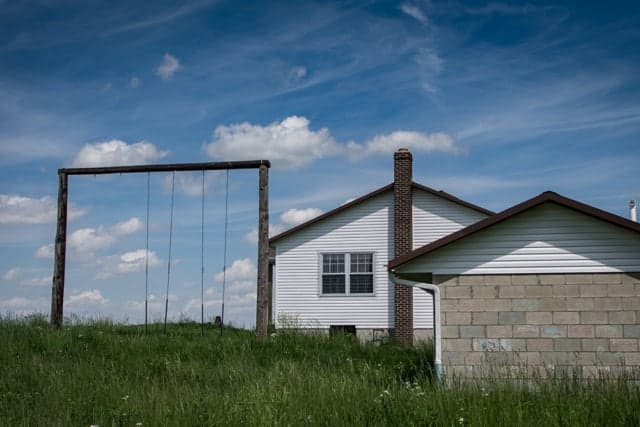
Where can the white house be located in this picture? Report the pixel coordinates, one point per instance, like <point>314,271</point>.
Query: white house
<point>549,283</point>
<point>332,270</point>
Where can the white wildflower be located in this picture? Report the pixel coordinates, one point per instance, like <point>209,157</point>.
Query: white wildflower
<point>460,420</point>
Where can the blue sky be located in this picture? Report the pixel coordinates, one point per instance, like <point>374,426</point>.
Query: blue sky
<point>498,101</point>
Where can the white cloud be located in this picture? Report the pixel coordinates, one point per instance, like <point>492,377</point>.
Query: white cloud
<point>289,144</point>
<point>83,298</point>
<point>252,235</point>
<point>240,270</point>
<point>127,227</point>
<point>190,184</point>
<point>46,251</point>
<point>117,153</point>
<point>16,209</point>
<point>154,303</point>
<point>294,217</point>
<point>288,219</point>
<point>415,141</point>
<point>87,240</point>
<point>21,305</point>
<point>297,73</point>
<point>12,274</point>
<point>414,12</point>
<point>170,65</point>
<point>134,82</point>
<point>135,261</point>
<point>37,281</point>
<point>17,276</point>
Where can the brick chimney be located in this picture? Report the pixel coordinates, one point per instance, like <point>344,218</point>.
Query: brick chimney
<point>403,241</point>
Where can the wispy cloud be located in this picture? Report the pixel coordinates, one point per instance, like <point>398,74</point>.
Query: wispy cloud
<point>134,82</point>
<point>501,8</point>
<point>161,18</point>
<point>297,73</point>
<point>414,11</point>
<point>563,104</point>
<point>169,66</point>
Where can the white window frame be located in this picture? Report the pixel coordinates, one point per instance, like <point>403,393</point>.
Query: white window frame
<point>347,274</point>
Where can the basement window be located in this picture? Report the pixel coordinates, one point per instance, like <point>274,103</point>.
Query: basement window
<point>347,273</point>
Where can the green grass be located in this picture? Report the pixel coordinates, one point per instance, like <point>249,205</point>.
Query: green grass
<point>106,374</point>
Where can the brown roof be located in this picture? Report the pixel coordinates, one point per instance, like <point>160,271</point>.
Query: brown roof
<point>374,193</point>
<point>547,196</point>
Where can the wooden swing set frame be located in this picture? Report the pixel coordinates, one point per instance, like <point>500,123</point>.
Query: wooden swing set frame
<point>263,297</point>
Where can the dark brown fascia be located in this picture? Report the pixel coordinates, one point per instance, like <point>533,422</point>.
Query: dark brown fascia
<point>375,193</point>
<point>547,196</point>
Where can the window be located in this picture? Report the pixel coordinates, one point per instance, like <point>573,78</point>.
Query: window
<point>349,273</point>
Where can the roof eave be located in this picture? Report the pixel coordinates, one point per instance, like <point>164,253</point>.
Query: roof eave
<point>547,196</point>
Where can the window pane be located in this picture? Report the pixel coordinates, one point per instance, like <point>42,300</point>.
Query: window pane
<point>361,263</point>
<point>333,284</point>
<point>333,263</point>
<point>361,283</point>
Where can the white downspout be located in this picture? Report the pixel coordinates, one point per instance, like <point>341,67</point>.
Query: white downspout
<point>435,291</point>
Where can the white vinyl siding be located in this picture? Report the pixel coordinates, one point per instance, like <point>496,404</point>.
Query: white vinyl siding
<point>364,228</point>
<point>546,239</point>
<point>434,218</point>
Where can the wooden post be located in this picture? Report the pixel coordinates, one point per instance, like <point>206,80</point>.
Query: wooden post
<point>262,303</point>
<point>57,291</point>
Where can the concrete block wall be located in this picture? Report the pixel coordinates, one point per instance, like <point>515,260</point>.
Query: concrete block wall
<point>587,324</point>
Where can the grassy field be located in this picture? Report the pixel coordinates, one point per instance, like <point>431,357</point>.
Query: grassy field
<point>112,375</point>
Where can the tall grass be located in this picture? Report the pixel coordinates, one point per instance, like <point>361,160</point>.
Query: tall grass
<point>104,374</point>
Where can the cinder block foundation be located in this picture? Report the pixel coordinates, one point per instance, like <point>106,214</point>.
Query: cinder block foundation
<point>582,324</point>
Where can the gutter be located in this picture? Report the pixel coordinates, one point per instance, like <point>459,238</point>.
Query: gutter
<point>435,291</point>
